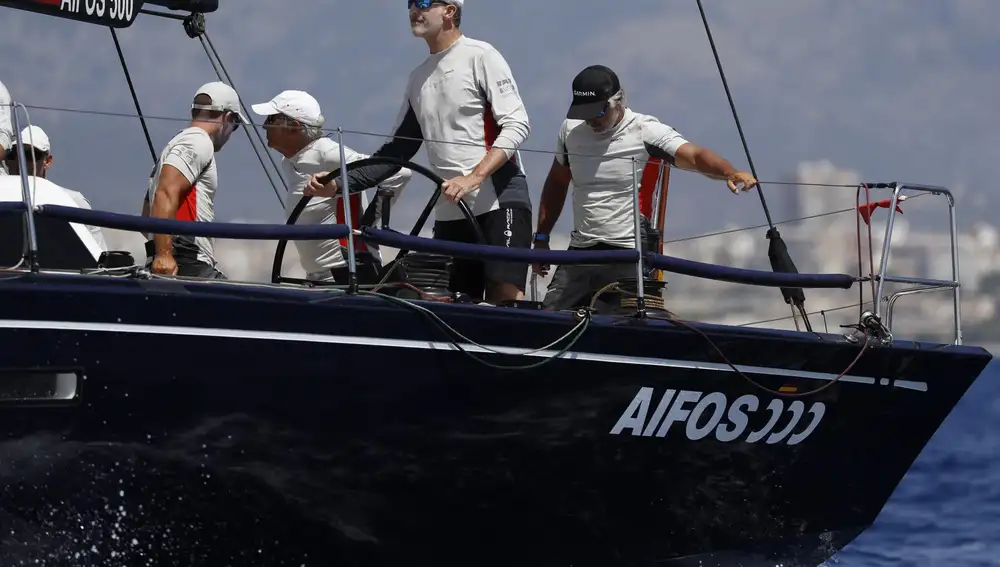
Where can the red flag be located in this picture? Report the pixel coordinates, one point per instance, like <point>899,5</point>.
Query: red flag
<point>867,209</point>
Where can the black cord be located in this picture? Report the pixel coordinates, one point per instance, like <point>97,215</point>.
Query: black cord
<point>732,106</point>
<point>131,89</point>
<point>573,335</point>
<point>224,77</point>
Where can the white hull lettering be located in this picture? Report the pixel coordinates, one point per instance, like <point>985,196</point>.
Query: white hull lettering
<point>699,415</point>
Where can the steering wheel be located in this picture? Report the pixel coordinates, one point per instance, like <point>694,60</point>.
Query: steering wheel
<point>369,215</point>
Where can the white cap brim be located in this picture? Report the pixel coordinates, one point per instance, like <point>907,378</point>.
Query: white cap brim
<point>264,109</point>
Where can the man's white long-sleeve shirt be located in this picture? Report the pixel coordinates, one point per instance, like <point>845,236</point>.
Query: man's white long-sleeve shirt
<point>459,103</point>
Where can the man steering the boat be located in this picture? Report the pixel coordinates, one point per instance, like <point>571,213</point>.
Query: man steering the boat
<point>600,123</point>
<point>6,129</point>
<point>294,127</point>
<point>184,180</point>
<point>464,101</point>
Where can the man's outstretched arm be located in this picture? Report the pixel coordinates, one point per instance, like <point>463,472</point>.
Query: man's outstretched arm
<point>404,144</point>
<point>664,142</point>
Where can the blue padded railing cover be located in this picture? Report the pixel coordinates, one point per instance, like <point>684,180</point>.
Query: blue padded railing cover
<point>7,207</point>
<point>744,276</point>
<point>476,251</point>
<point>233,230</point>
<point>242,231</point>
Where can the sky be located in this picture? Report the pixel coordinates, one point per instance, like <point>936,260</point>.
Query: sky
<point>889,90</point>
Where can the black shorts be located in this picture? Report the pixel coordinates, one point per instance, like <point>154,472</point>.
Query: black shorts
<point>510,227</point>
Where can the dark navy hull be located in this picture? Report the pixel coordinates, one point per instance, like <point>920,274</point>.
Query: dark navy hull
<point>223,425</point>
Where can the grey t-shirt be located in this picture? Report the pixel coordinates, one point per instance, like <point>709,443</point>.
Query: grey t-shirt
<point>192,152</point>
<point>603,186</point>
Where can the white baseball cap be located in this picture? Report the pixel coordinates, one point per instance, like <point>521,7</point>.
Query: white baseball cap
<point>36,138</point>
<point>223,98</point>
<point>459,3</point>
<point>297,105</point>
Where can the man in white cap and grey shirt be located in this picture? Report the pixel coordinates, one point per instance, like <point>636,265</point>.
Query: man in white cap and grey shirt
<point>38,155</point>
<point>184,180</point>
<point>294,127</point>
<point>6,129</point>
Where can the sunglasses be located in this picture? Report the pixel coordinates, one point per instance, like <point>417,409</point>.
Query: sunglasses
<point>424,4</point>
<point>276,119</point>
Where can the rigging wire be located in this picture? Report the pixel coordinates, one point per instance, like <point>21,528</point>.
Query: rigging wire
<point>223,76</point>
<point>786,221</point>
<point>425,140</point>
<point>781,260</point>
<point>817,312</point>
<point>736,117</point>
<point>525,150</point>
<point>263,144</point>
<point>131,89</point>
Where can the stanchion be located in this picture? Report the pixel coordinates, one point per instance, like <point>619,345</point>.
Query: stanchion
<point>31,237</point>
<point>352,267</point>
<point>640,300</point>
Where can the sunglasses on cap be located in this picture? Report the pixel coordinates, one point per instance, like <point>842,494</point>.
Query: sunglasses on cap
<point>424,4</point>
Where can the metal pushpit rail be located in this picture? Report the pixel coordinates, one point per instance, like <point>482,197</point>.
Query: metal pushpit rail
<point>925,284</point>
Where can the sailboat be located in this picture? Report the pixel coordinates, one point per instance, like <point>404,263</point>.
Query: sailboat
<point>163,421</point>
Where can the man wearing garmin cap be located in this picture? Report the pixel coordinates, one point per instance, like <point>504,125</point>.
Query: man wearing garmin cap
<point>184,180</point>
<point>464,101</point>
<point>599,123</point>
<point>6,129</point>
<point>294,127</point>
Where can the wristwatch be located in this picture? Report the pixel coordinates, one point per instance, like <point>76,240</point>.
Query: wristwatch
<point>540,237</point>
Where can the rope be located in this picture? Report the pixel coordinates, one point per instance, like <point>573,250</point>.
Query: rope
<point>669,316</point>
<point>573,335</point>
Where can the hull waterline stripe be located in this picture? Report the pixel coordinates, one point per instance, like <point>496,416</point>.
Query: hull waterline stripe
<point>438,345</point>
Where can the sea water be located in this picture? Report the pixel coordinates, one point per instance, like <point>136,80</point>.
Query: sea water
<point>946,511</point>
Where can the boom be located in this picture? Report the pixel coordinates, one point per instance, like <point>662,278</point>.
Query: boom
<point>112,13</point>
